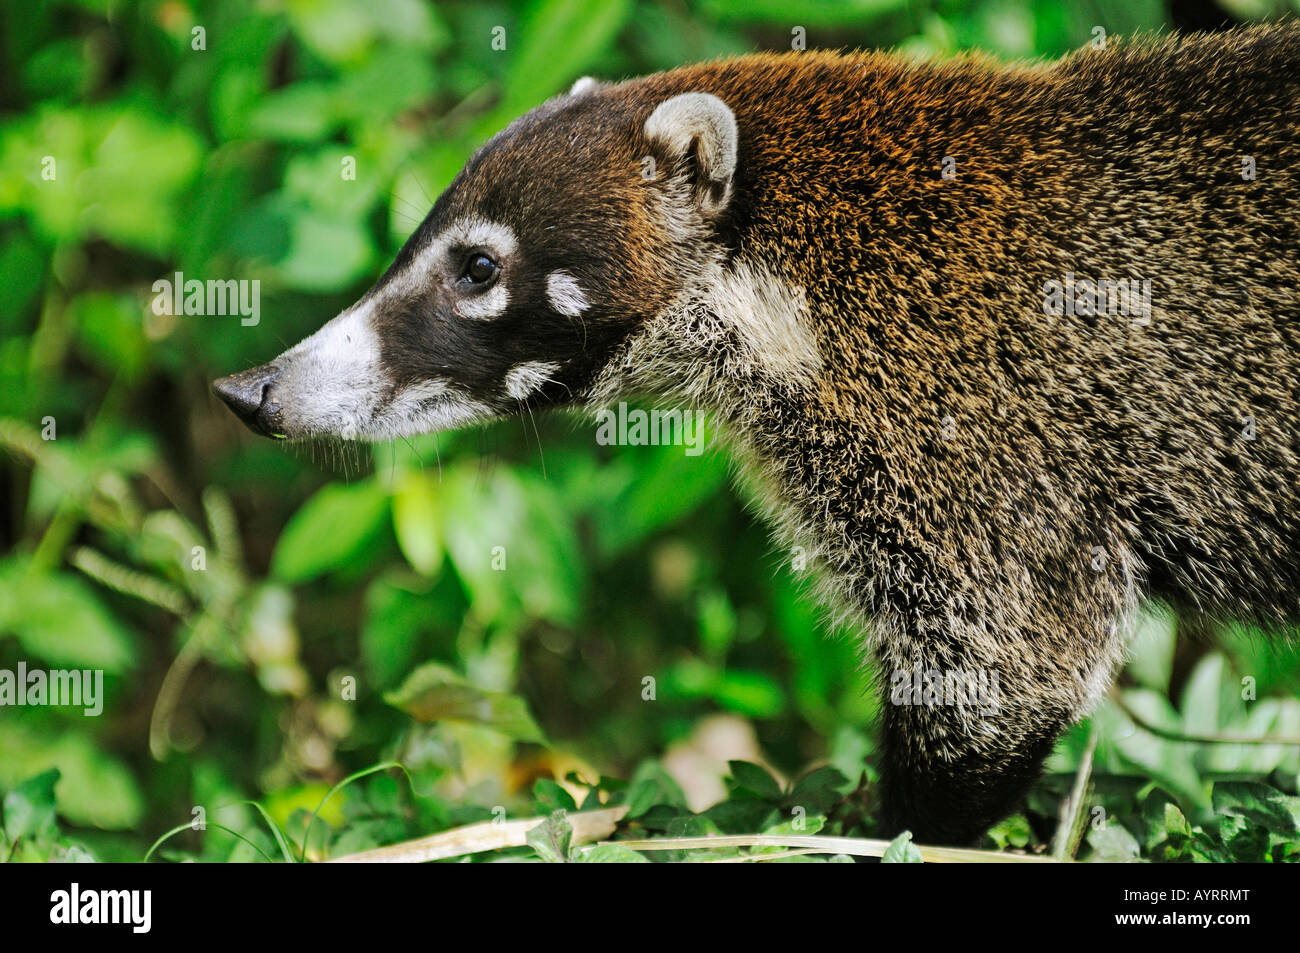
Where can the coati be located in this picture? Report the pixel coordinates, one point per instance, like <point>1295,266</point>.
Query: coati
<point>1008,348</point>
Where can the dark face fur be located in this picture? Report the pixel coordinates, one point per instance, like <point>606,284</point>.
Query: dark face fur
<point>546,251</point>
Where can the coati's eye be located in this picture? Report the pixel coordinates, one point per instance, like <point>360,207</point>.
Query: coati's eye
<point>479,269</point>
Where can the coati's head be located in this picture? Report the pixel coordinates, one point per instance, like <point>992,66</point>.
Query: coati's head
<point>559,238</point>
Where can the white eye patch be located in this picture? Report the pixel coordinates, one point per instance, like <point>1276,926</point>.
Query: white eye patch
<point>494,238</point>
<point>478,233</point>
<point>523,379</point>
<point>565,295</point>
<point>489,304</point>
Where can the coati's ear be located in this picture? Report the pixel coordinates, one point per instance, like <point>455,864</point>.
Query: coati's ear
<point>701,128</point>
<point>583,86</point>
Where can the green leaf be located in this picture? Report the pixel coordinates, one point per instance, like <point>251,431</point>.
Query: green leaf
<point>742,815</point>
<point>549,796</point>
<point>754,694</point>
<point>337,31</point>
<point>303,112</point>
<point>1013,831</point>
<point>94,789</point>
<point>110,332</point>
<point>1113,844</point>
<point>316,179</point>
<point>1170,765</point>
<point>417,522</point>
<point>556,42</point>
<point>665,487</point>
<point>343,33</point>
<point>819,790</point>
<point>812,13</point>
<point>400,611</point>
<point>901,850</point>
<point>29,808</point>
<point>512,545</point>
<point>392,81</point>
<point>652,786</point>
<point>610,854</point>
<point>551,838</point>
<point>1262,805</point>
<point>1152,649</point>
<point>1203,696</point>
<point>1163,821</point>
<point>59,619</point>
<point>329,529</point>
<point>434,692</point>
<point>121,174</point>
<point>1175,822</point>
<point>141,171</point>
<point>1246,842</point>
<point>800,824</point>
<point>751,779</point>
<point>327,252</point>
<point>354,776</point>
<point>24,267</point>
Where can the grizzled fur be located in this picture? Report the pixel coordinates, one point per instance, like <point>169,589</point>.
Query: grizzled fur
<point>985,487</point>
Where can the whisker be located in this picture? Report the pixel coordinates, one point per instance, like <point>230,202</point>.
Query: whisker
<point>537,434</point>
<point>407,441</point>
<point>407,202</point>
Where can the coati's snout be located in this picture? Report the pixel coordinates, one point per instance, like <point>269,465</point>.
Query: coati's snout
<point>250,394</point>
<point>572,227</point>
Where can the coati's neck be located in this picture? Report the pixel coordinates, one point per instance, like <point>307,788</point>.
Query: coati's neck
<point>799,333</point>
<point>743,349</point>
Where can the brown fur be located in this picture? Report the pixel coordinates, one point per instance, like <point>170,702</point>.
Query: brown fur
<point>1086,462</point>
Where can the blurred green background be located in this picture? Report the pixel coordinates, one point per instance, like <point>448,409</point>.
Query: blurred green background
<point>272,618</point>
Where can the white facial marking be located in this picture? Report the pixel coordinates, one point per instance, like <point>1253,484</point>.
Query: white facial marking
<point>426,407</point>
<point>331,380</point>
<point>523,379</point>
<point>565,295</point>
<point>493,237</point>
<point>343,340</point>
<point>425,390</point>
<point>480,232</point>
<point>489,304</point>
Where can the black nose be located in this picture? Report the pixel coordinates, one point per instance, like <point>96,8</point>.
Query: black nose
<point>249,395</point>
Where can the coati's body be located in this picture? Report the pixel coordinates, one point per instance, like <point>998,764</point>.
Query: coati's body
<point>987,487</point>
